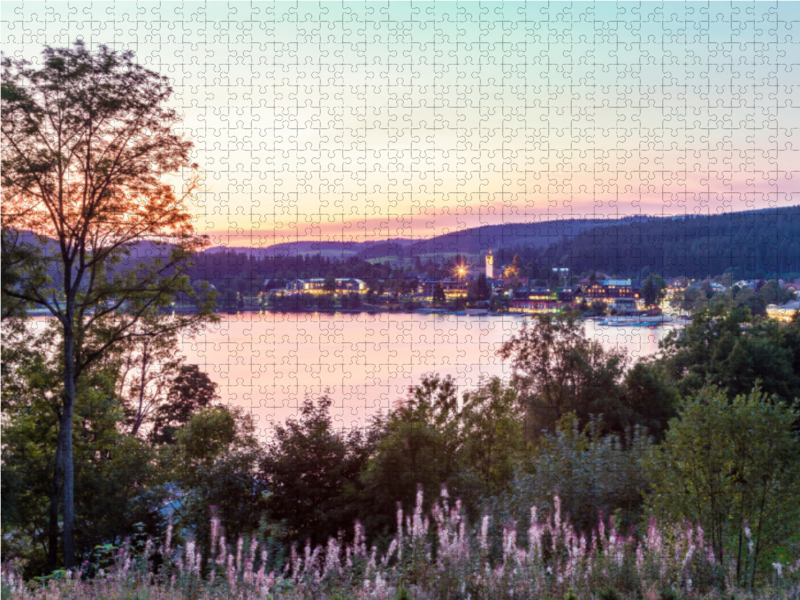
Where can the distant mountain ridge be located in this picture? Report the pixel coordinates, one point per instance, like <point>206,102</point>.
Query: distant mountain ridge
<point>474,240</point>
<point>564,236</point>
<point>749,242</point>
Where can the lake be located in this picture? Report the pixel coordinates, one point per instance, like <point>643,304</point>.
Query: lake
<point>268,362</point>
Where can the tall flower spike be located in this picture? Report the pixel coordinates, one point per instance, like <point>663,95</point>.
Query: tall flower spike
<point>484,533</point>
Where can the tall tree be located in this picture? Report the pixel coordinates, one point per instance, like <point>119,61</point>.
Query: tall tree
<point>87,138</point>
<point>191,391</point>
<point>438,294</point>
<point>312,470</point>
<point>556,370</point>
<point>653,289</point>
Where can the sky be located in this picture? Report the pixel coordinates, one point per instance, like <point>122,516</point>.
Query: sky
<point>365,121</point>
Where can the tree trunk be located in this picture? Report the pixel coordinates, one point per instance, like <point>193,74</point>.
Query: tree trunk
<point>65,443</point>
<point>52,529</point>
<point>139,417</point>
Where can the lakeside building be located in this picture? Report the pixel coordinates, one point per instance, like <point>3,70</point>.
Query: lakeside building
<point>618,294</point>
<point>542,300</point>
<point>785,312</point>
<point>452,288</point>
<point>316,285</point>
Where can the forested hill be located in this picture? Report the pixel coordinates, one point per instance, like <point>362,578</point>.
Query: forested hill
<point>752,244</point>
<point>476,240</point>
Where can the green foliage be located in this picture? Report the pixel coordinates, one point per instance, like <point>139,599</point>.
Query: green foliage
<point>608,593</point>
<point>491,438</point>
<point>597,308</point>
<point>649,400</point>
<point>208,433</point>
<point>591,473</point>
<point>733,351</point>
<point>87,137</point>
<point>773,293</point>
<point>731,466</point>
<point>402,594</point>
<point>479,289</point>
<point>215,464</point>
<point>653,289</point>
<point>418,445</point>
<point>311,471</point>
<point>116,475</point>
<point>669,594</point>
<point>21,261</point>
<point>189,392</point>
<point>557,370</point>
<point>438,294</point>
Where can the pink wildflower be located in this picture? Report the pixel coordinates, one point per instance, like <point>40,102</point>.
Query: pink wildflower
<point>484,533</point>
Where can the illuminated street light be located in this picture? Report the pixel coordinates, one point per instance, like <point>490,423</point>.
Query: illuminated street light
<point>460,272</point>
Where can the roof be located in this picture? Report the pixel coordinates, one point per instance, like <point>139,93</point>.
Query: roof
<point>616,282</point>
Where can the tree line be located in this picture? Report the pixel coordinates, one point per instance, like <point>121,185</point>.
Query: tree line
<point>757,244</point>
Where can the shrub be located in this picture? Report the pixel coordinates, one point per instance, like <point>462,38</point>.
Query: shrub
<point>732,467</point>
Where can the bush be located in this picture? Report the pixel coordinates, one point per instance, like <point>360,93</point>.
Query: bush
<point>732,467</point>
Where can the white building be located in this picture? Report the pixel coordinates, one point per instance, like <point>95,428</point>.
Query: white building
<point>316,285</point>
<point>783,313</point>
<point>489,264</point>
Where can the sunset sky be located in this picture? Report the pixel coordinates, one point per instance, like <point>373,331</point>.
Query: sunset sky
<point>359,121</point>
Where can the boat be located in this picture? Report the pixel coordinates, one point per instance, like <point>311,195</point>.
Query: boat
<point>619,322</point>
<point>629,322</point>
<point>477,311</point>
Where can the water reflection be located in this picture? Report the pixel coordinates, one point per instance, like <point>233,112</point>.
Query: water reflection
<point>267,363</point>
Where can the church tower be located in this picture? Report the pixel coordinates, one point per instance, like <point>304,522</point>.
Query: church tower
<point>489,265</point>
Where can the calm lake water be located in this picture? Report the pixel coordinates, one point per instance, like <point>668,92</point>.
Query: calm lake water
<point>268,362</point>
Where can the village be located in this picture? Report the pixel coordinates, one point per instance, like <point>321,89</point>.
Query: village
<point>487,288</point>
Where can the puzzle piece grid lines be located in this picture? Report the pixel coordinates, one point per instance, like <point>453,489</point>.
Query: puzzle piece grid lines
<point>360,122</point>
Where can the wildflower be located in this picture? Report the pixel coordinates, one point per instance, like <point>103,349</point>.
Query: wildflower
<point>253,548</point>
<point>371,561</point>
<point>392,548</point>
<point>484,533</point>
<point>688,557</point>
<point>223,549</point>
<point>534,533</point>
<point>509,541</point>
<point>556,513</point>
<point>239,544</point>
<point>231,574</point>
<point>332,563</point>
<point>749,536</point>
<point>601,527</point>
<point>262,568</point>
<point>359,539</point>
<point>653,536</point>
<point>293,561</point>
<point>214,525</point>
